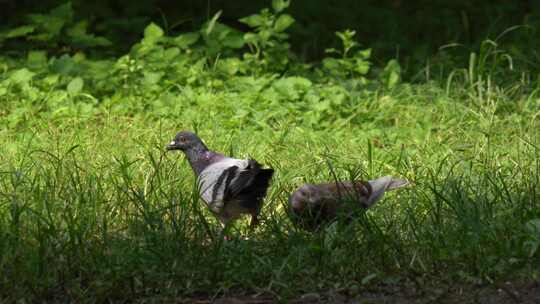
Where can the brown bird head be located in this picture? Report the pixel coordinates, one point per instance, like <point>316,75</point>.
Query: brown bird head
<point>305,197</point>
<point>310,207</point>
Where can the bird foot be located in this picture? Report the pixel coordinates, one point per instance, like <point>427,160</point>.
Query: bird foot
<point>254,223</point>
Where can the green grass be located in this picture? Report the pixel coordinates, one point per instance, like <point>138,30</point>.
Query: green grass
<point>92,207</point>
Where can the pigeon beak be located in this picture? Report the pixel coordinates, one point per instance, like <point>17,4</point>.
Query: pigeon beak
<point>172,146</point>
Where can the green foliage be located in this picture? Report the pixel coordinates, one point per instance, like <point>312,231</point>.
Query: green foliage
<point>92,208</point>
<point>268,41</point>
<point>211,59</point>
<point>75,86</point>
<point>391,74</point>
<point>532,243</point>
<point>355,65</point>
<point>57,28</point>
<point>220,39</point>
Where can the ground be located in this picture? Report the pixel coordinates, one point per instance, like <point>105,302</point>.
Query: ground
<point>499,293</point>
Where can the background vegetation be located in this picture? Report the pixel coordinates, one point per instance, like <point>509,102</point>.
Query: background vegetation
<point>92,208</point>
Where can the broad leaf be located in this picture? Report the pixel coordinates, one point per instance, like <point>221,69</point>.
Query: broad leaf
<point>22,76</point>
<point>234,40</point>
<point>361,66</point>
<point>283,22</point>
<point>152,77</point>
<point>183,41</point>
<point>279,5</point>
<point>230,66</point>
<point>253,20</point>
<point>64,12</point>
<point>391,73</point>
<point>47,27</point>
<point>79,36</point>
<point>364,54</point>
<point>18,31</point>
<point>152,34</point>
<point>36,59</point>
<point>63,65</point>
<point>75,86</point>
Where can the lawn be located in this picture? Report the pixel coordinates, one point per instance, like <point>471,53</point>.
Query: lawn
<point>93,209</point>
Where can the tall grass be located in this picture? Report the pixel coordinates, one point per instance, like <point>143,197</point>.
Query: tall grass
<point>104,213</point>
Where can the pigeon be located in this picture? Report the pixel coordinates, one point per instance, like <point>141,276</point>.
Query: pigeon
<point>314,205</point>
<point>229,186</point>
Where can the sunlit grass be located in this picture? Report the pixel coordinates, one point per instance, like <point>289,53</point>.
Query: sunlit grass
<point>94,207</point>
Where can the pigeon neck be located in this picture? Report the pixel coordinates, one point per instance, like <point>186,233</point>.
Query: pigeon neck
<point>199,157</point>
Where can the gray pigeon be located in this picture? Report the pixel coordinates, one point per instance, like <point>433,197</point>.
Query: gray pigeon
<point>314,205</point>
<point>229,186</point>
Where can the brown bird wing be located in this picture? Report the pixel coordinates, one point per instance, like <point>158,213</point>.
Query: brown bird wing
<point>357,191</point>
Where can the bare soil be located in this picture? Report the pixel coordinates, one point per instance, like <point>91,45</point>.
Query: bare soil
<point>502,293</point>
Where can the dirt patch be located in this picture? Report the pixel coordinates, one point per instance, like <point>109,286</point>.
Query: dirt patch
<point>503,293</point>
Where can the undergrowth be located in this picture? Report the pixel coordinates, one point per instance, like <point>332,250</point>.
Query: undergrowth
<point>91,206</point>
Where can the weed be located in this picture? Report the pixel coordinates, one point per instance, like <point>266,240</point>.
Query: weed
<point>92,208</point>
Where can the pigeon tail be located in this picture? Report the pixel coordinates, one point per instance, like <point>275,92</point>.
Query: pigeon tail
<point>381,185</point>
<point>253,198</point>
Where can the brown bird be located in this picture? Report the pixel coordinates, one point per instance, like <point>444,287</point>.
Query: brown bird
<point>314,205</point>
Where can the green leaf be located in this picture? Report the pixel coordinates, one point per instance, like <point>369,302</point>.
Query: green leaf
<point>230,66</point>
<point>250,38</point>
<point>48,27</point>
<point>331,64</point>
<point>346,35</point>
<point>361,66</point>
<point>365,54</point>
<point>63,65</point>
<point>79,36</point>
<point>265,35</point>
<point>212,22</point>
<point>22,76</point>
<point>391,74</point>
<point>36,59</point>
<point>51,79</point>
<point>331,51</point>
<point>368,278</point>
<point>279,5</point>
<point>170,54</point>
<point>152,34</point>
<point>292,88</point>
<point>283,22</point>
<point>152,77</point>
<point>235,40</point>
<point>79,57</point>
<point>253,20</point>
<point>18,31</point>
<point>183,41</point>
<point>75,85</point>
<point>64,12</point>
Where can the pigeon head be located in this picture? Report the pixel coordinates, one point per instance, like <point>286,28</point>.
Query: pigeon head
<point>186,141</point>
<point>306,197</point>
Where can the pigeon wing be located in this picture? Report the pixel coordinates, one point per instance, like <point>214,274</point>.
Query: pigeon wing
<point>214,181</point>
<point>242,179</point>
